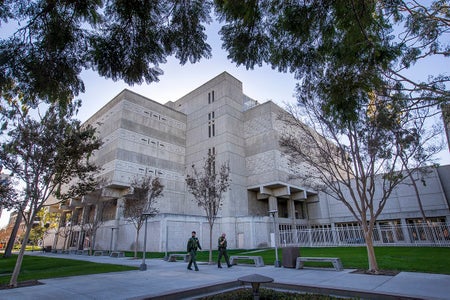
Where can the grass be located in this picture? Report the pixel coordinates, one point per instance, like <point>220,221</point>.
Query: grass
<point>39,267</point>
<point>411,259</point>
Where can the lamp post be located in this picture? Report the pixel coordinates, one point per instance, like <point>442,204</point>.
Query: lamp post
<point>112,236</point>
<point>277,263</point>
<point>143,265</point>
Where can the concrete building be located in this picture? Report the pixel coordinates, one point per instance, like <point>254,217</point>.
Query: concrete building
<point>142,136</point>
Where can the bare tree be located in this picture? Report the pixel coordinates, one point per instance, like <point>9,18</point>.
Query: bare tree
<point>66,231</point>
<point>142,203</point>
<point>423,149</point>
<point>357,162</point>
<point>208,187</point>
<point>93,218</point>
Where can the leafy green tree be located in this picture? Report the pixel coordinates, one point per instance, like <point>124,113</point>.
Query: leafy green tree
<point>142,203</point>
<point>7,190</point>
<point>52,42</point>
<point>208,187</point>
<point>46,152</point>
<point>360,45</point>
<point>340,51</point>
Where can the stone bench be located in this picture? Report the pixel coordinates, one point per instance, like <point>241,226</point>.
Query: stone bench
<point>337,264</point>
<point>258,260</point>
<point>173,257</point>
<point>117,254</point>
<point>101,253</point>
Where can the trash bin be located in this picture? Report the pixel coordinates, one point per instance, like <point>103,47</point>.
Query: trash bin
<point>290,255</point>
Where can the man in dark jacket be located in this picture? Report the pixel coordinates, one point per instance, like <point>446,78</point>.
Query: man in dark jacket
<point>192,246</point>
<point>222,244</point>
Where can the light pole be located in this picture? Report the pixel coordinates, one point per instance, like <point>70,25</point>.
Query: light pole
<point>277,263</point>
<point>143,266</point>
<point>112,236</point>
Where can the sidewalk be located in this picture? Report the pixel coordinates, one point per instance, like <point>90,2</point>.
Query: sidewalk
<point>163,278</point>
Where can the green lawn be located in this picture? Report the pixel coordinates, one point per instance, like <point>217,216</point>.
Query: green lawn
<point>412,259</point>
<point>38,267</point>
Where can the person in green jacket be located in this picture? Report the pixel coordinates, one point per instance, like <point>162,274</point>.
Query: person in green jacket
<point>192,246</point>
<point>222,245</point>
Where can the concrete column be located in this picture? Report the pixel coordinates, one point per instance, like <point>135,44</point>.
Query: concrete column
<point>120,207</point>
<point>84,219</point>
<point>273,204</point>
<point>405,230</point>
<point>291,209</point>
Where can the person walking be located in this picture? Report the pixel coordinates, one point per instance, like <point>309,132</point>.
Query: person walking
<point>222,244</point>
<point>192,246</point>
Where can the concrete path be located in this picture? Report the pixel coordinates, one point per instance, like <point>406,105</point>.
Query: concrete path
<point>162,278</point>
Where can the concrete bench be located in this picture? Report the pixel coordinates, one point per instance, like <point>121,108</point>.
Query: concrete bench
<point>117,254</point>
<point>101,253</point>
<point>337,264</point>
<point>173,257</point>
<point>258,260</point>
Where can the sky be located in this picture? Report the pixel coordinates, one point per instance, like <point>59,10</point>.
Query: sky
<point>262,84</point>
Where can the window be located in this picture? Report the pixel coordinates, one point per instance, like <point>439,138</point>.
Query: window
<point>212,151</point>
<point>211,97</point>
<point>211,125</point>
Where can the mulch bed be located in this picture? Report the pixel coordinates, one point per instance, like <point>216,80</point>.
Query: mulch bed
<point>20,284</point>
<point>380,272</point>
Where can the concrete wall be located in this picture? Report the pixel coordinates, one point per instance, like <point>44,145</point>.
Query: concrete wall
<point>401,204</point>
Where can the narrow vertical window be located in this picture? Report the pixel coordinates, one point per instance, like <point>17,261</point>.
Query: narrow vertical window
<point>211,97</point>
<point>212,152</point>
<point>211,125</point>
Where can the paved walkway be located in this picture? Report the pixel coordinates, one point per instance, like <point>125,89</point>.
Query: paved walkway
<point>162,278</point>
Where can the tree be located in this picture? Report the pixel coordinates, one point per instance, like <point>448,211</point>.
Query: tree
<point>342,50</point>
<point>146,192</point>
<point>65,220</point>
<point>93,218</point>
<point>8,196</point>
<point>361,45</point>
<point>7,190</point>
<point>46,152</point>
<point>358,163</point>
<point>422,149</point>
<point>43,222</point>
<point>54,41</point>
<point>208,187</point>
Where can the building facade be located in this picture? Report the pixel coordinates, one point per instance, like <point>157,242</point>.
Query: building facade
<point>141,136</point>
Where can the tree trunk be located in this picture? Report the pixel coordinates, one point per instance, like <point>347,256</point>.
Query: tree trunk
<point>136,242</point>
<point>56,238</point>
<point>12,237</point>
<point>18,266</point>
<point>94,235</point>
<point>210,243</point>
<point>373,265</point>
